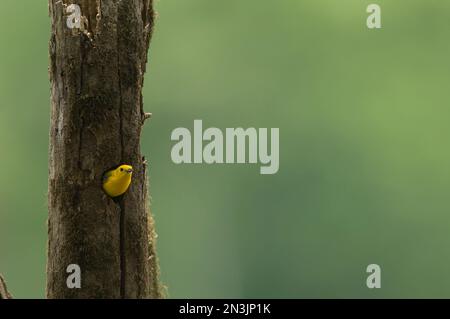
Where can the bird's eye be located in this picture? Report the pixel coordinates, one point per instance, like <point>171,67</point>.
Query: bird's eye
<point>121,169</point>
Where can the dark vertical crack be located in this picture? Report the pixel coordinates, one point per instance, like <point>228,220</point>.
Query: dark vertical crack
<point>80,110</point>
<point>121,200</point>
<point>81,69</point>
<point>122,249</point>
<point>80,139</point>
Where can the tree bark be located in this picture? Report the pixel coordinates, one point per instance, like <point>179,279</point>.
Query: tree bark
<point>4,293</point>
<point>97,114</point>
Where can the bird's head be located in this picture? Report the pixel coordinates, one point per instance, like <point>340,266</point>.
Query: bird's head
<point>124,170</point>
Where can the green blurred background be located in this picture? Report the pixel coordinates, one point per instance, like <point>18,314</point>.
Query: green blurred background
<point>364,161</point>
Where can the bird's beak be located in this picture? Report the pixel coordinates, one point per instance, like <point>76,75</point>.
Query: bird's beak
<point>129,171</point>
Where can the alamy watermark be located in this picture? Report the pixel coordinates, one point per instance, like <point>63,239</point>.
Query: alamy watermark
<point>374,19</point>
<point>236,145</point>
<point>374,279</point>
<point>74,279</point>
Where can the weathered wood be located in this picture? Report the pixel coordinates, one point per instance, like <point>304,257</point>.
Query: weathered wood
<point>4,293</point>
<point>96,120</point>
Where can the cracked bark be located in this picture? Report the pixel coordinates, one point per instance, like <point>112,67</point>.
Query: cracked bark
<point>96,120</point>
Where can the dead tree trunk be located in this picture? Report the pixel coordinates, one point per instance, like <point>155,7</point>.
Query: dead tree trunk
<point>4,293</point>
<point>96,75</point>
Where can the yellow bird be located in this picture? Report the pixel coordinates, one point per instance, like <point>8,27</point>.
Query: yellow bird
<point>117,181</point>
